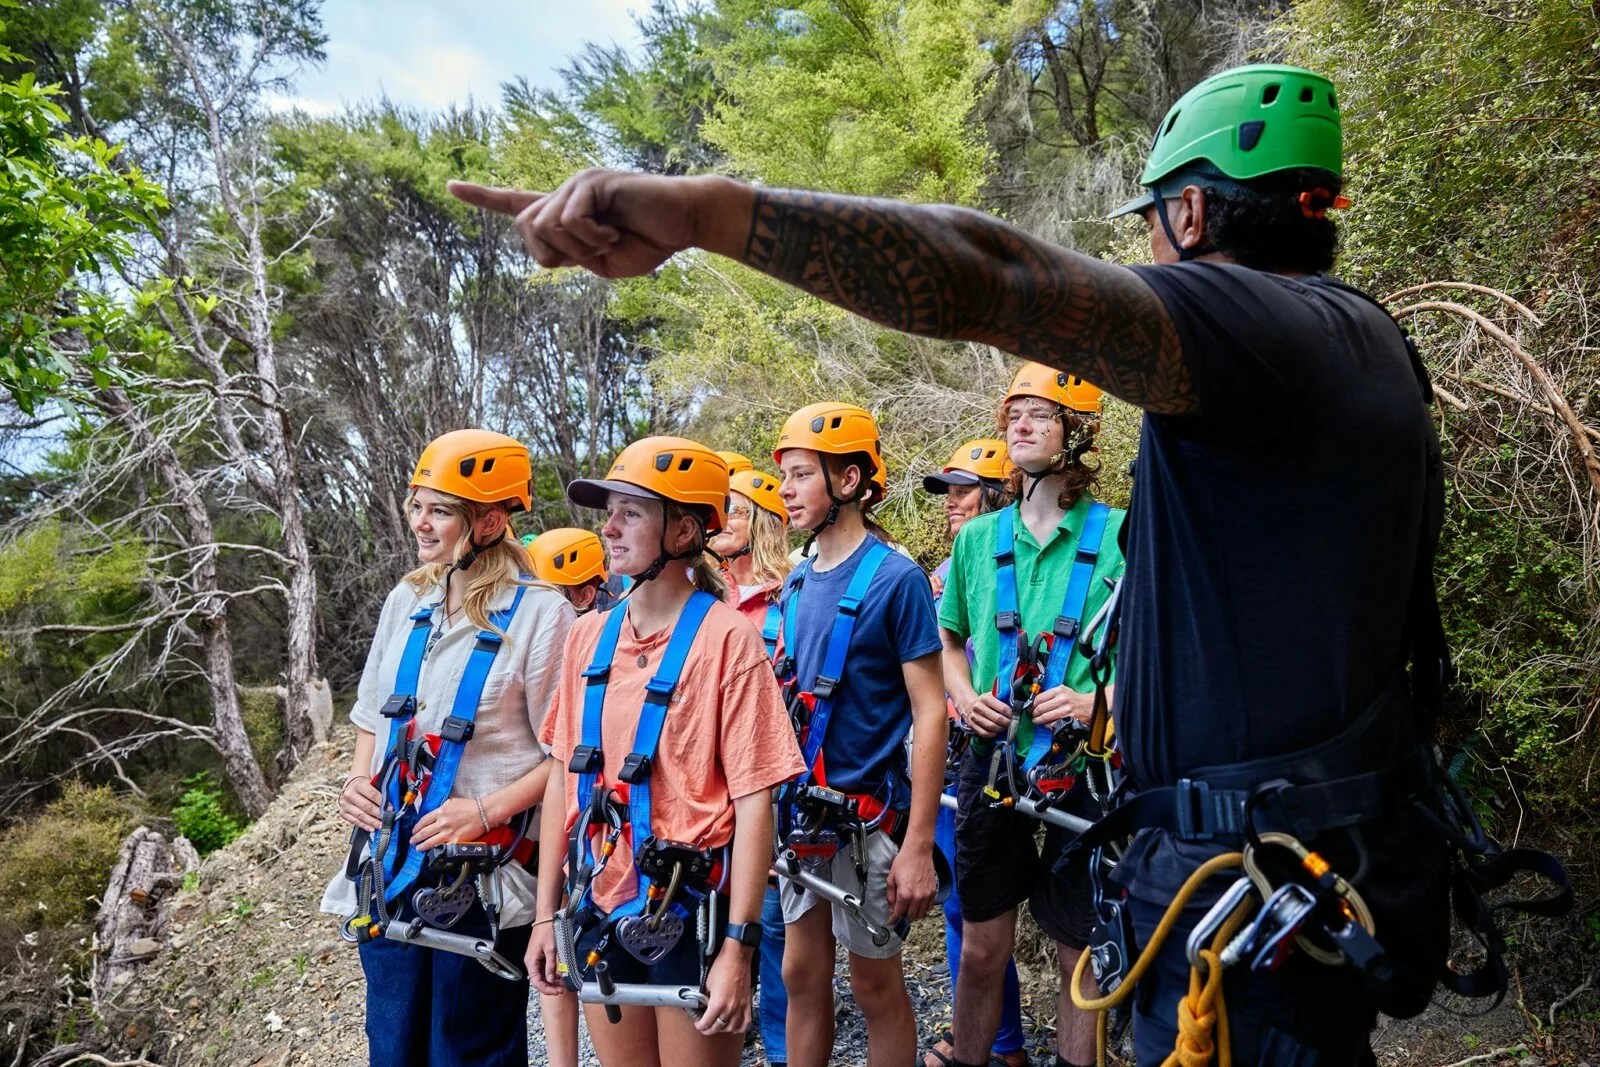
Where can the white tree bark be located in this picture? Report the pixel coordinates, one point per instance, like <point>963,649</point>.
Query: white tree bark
<point>130,928</point>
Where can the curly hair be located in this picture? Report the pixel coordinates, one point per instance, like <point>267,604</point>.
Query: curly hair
<point>1077,475</point>
<point>1261,224</point>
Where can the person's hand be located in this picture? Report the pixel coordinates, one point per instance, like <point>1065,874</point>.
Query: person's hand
<point>360,803</point>
<point>456,819</point>
<point>912,884</point>
<point>613,223</point>
<point>540,959</point>
<point>938,585</point>
<point>985,714</point>
<point>727,994</point>
<point>1059,703</point>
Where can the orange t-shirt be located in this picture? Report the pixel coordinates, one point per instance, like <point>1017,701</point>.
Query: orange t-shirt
<point>726,734</point>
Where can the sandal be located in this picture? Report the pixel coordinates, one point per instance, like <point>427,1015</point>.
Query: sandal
<point>943,1052</point>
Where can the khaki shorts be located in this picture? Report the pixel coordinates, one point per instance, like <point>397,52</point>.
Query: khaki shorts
<point>841,871</point>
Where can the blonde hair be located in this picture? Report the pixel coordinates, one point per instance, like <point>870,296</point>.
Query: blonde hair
<point>769,548</point>
<point>501,566</point>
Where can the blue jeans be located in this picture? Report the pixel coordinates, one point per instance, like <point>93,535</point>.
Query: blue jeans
<point>1009,1038</point>
<point>774,998</point>
<point>427,1008</point>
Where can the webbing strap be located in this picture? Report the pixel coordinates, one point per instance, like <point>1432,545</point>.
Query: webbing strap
<point>833,658</point>
<point>405,684</point>
<point>1008,618</point>
<point>770,628</point>
<point>453,740</point>
<point>652,718</point>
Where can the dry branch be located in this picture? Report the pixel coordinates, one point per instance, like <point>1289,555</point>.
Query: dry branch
<point>1504,298</point>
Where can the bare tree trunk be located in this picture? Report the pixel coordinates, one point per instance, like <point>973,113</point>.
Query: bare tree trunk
<point>130,927</point>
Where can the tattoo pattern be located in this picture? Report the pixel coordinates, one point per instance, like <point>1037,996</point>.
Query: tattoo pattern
<point>956,274</point>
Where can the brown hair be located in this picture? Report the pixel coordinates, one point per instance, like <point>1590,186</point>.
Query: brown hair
<point>706,573</point>
<point>1078,433</point>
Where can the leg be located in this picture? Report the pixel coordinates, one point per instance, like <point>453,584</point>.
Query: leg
<point>1075,1029</point>
<point>879,986</point>
<point>680,1043</point>
<point>399,1011</point>
<point>808,976</point>
<point>774,998</point>
<point>479,1019</point>
<point>985,953</point>
<point>629,1043</point>
<point>560,1015</point>
<point>1010,1040</point>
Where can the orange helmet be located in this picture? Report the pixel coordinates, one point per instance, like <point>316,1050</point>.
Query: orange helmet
<point>737,462</point>
<point>567,556</point>
<point>834,429</point>
<point>762,489</point>
<point>1056,386</point>
<point>478,465</point>
<point>982,460</point>
<point>674,468</point>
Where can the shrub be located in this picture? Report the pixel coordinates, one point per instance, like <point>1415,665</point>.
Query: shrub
<point>202,816</point>
<point>54,866</point>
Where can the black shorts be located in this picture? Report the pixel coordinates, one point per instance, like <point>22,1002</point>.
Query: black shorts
<point>999,862</point>
<point>679,967</point>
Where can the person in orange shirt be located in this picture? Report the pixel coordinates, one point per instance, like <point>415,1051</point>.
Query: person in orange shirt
<point>669,736</point>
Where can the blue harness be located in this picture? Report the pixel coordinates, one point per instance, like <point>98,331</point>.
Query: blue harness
<point>588,762</point>
<point>770,628</point>
<point>1008,619</point>
<point>402,863</point>
<point>833,658</point>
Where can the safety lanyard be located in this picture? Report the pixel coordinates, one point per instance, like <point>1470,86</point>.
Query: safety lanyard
<point>1008,619</point>
<point>588,760</point>
<point>833,657</point>
<point>454,734</point>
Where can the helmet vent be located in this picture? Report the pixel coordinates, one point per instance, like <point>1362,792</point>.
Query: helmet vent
<point>976,453</point>
<point>817,424</point>
<point>1270,93</point>
<point>664,462</point>
<point>838,421</point>
<point>1172,120</point>
<point>1250,134</point>
<point>685,463</point>
<point>468,465</point>
<point>1306,94</point>
<point>559,562</point>
<point>1333,101</point>
<point>488,465</point>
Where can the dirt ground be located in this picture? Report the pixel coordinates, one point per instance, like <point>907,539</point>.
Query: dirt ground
<point>255,976</point>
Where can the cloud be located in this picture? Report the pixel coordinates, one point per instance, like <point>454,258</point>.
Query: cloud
<point>280,103</point>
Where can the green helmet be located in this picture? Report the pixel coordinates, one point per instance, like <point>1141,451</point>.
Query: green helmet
<point>1242,124</point>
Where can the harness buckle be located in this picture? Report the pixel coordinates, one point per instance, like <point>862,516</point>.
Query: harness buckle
<point>1005,621</point>
<point>824,687</point>
<point>399,706</point>
<point>457,729</point>
<point>636,768</point>
<point>1193,805</point>
<point>586,759</point>
<point>1066,627</point>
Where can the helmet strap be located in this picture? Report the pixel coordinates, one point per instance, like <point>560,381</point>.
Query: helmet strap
<point>837,502</point>
<point>1034,478</point>
<point>731,556</point>
<point>654,570</point>
<point>475,551</point>
<point>1184,254</point>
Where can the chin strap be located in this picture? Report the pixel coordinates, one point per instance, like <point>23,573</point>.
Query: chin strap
<point>654,570</point>
<point>475,551</point>
<point>833,508</point>
<point>1184,254</point>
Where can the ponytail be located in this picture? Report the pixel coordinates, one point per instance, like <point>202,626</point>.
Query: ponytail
<point>707,576</point>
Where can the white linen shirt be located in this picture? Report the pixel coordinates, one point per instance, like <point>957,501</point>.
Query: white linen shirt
<point>504,744</point>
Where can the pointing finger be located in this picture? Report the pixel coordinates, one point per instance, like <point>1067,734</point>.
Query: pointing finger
<point>503,201</point>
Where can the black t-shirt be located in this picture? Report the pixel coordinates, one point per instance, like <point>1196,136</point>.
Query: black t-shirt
<point>1273,533</point>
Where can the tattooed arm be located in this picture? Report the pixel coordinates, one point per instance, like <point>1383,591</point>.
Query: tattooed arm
<point>932,270</point>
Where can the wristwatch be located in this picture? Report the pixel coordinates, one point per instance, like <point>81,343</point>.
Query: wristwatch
<point>747,934</point>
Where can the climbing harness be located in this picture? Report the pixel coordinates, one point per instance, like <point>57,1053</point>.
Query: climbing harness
<point>1033,769</point>
<point>771,627</point>
<point>678,885</point>
<point>813,820</point>
<point>440,885</point>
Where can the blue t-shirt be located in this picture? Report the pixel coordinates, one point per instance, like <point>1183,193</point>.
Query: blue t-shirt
<point>871,709</point>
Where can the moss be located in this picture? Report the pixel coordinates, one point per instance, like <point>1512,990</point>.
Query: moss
<point>54,866</point>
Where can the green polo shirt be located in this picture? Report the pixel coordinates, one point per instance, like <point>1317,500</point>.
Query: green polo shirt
<point>1042,572</point>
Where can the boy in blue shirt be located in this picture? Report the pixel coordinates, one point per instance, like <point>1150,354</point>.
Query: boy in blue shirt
<point>886,682</point>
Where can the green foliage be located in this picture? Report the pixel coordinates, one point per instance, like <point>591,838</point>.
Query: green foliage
<point>263,722</point>
<point>54,865</point>
<point>203,817</point>
<point>69,209</point>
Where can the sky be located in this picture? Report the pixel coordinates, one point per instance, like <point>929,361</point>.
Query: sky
<point>425,54</point>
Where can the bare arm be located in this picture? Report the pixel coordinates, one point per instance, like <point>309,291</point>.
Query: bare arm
<point>951,273</point>
<point>933,270</point>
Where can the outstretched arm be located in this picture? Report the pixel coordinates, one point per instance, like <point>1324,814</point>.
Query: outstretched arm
<point>932,270</point>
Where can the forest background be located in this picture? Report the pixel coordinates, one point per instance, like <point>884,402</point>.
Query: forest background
<point>226,333</point>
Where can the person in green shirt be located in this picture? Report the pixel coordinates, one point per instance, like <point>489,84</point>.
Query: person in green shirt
<point>1049,419</point>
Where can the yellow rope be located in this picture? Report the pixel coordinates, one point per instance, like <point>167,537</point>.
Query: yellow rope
<point>1204,1008</point>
